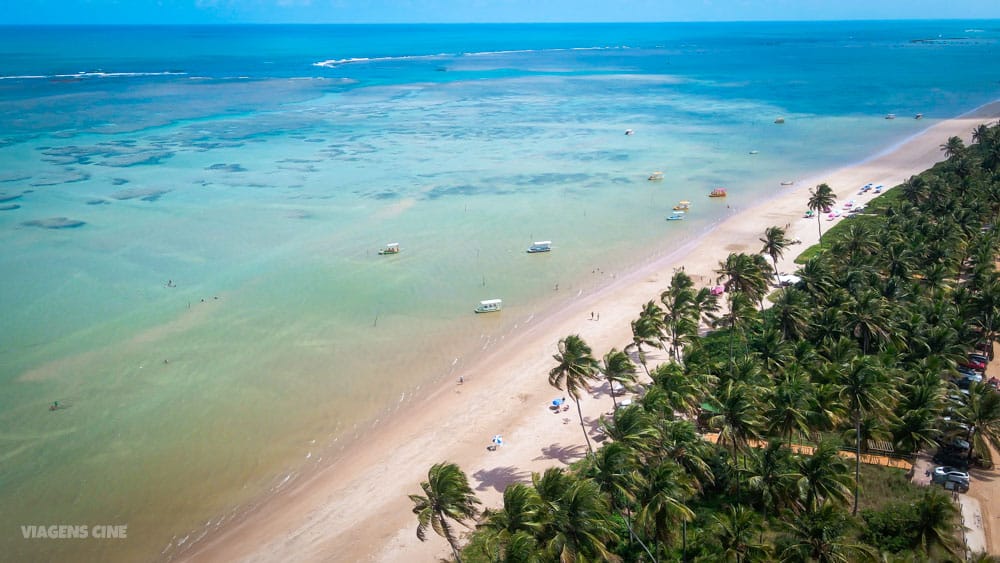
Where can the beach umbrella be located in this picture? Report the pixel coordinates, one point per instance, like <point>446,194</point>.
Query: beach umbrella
<point>498,440</point>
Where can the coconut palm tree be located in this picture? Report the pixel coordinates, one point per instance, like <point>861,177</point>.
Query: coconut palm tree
<point>981,413</point>
<point>864,390</point>
<point>772,477</point>
<point>682,392</point>
<point>867,318</point>
<point>936,522</point>
<point>661,499</point>
<point>738,420</point>
<point>820,199</point>
<point>579,525</point>
<point>791,313</point>
<point>775,243</point>
<point>575,369</point>
<point>447,496</point>
<point>632,426</point>
<point>743,273</point>
<point>645,330</point>
<point>680,315</point>
<point>737,530</point>
<point>955,146</point>
<point>820,536</point>
<point>618,369</point>
<point>788,404</point>
<point>824,477</point>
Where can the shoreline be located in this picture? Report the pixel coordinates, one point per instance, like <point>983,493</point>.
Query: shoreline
<point>356,508</point>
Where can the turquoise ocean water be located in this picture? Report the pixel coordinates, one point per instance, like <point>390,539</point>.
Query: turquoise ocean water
<point>190,219</point>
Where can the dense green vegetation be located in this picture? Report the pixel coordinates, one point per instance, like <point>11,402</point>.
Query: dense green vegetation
<point>865,348</point>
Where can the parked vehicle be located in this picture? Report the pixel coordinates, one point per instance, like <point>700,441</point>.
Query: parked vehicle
<point>972,364</point>
<point>952,458</point>
<point>949,471</point>
<point>979,358</point>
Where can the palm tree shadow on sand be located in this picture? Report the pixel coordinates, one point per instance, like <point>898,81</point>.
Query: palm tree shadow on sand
<point>499,478</point>
<point>565,454</point>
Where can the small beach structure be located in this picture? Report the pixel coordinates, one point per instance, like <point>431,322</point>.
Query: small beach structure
<point>682,205</point>
<point>489,306</point>
<point>540,246</point>
<point>391,248</point>
<point>718,290</point>
<point>655,176</point>
<point>718,192</point>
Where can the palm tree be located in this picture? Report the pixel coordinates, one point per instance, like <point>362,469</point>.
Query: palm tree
<point>742,273</point>
<point>683,392</point>
<point>618,369</point>
<point>954,146</point>
<point>680,314</point>
<point>773,478</point>
<point>936,516</point>
<point>824,477</point>
<point>790,312</point>
<point>820,536</point>
<point>863,390</point>
<point>737,530</point>
<point>447,496</point>
<point>645,330</point>
<point>737,420</point>
<point>981,413</point>
<point>519,512</point>
<point>579,525</point>
<point>576,368</point>
<point>788,404</point>
<point>662,500</point>
<point>819,199</point>
<point>867,317</point>
<point>775,244</point>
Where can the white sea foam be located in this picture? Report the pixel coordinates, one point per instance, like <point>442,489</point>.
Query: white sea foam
<point>91,74</point>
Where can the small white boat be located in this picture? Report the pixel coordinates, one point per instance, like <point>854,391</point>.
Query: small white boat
<point>779,120</point>
<point>391,248</point>
<point>677,216</point>
<point>656,176</point>
<point>540,246</point>
<point>754,152</point>
<point>629,131</point>
<point>890,116</point>
<point>918,116</point>
<point>787,183</point>
<point>489,306</point>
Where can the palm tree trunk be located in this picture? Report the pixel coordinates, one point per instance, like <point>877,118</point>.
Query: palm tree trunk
<point>857,461</point>
<point>642,359</point>
<point>579,411</point>
<point>447,536</point>
<point>819,228</point>
<point>684,541</point>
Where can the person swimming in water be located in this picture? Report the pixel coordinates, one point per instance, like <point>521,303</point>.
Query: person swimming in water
<point>54,406</point>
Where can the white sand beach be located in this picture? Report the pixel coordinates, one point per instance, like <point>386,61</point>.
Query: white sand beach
<point>357,509</point>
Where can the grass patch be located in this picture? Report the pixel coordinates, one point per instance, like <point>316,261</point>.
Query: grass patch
<point>874,211</point>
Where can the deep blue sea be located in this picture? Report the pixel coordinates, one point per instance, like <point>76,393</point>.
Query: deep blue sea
<point>190,219</point>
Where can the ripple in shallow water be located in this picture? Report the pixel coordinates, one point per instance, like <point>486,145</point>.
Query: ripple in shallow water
<point>55,223</point>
